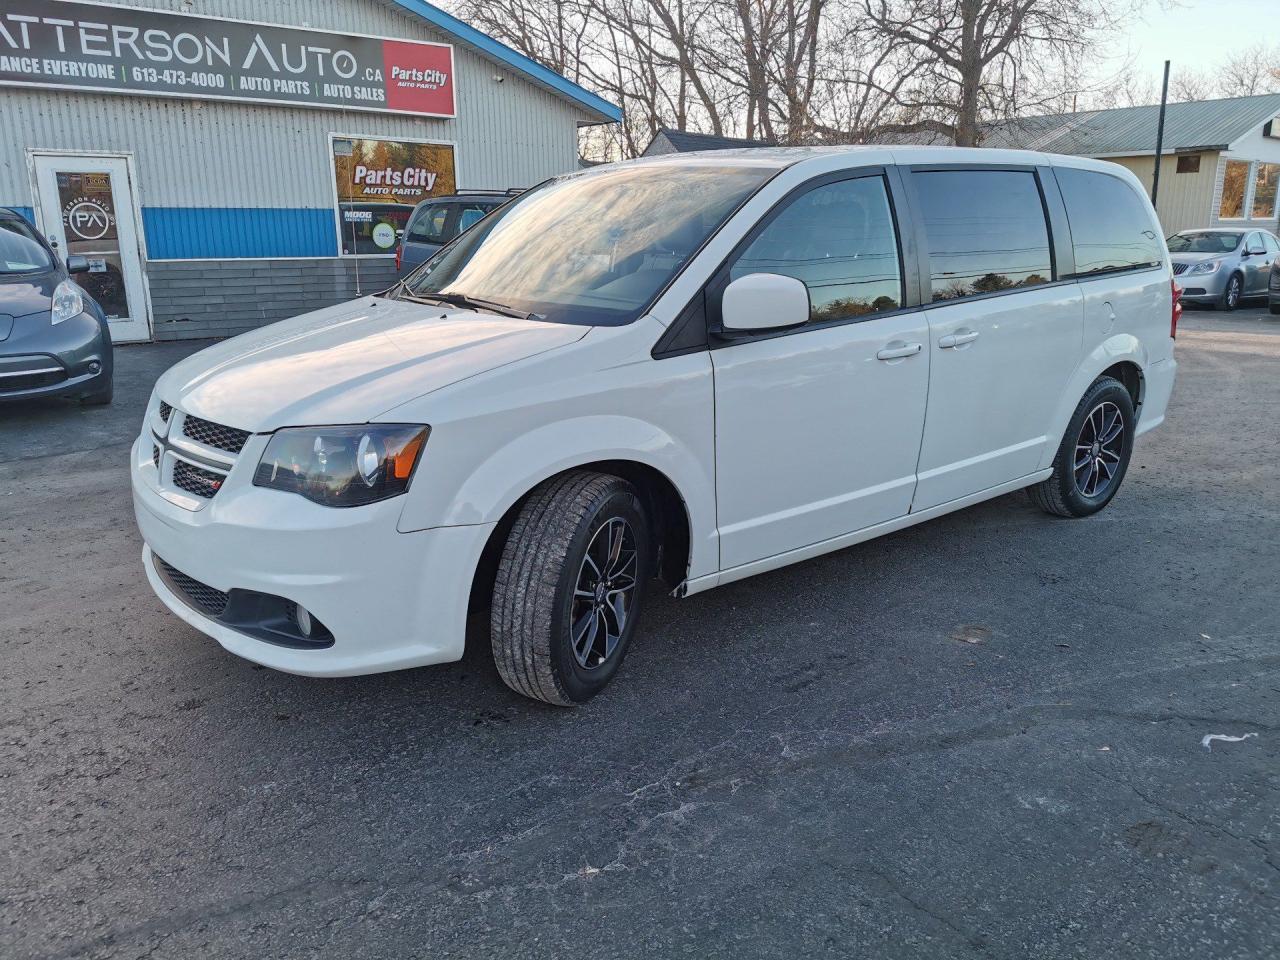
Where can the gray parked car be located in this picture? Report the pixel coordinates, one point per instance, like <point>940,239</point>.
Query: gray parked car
<point>1221,267</point>
<point>53,336</point>
<point>435,222</point>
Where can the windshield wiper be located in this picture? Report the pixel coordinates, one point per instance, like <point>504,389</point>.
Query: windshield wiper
<point>471,303</point>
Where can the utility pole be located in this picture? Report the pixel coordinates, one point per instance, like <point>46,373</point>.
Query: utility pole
<point>1164,100</point>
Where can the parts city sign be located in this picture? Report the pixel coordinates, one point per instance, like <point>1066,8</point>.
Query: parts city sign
<point>91,46</point>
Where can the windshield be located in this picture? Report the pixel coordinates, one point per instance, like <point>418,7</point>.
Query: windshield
<point>1204,242</point>
<point>20,251</point>
<point>593,249</point>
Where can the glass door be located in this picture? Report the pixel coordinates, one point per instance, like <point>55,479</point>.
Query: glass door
<point>87,208</point>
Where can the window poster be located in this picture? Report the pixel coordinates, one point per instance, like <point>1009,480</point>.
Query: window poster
<point>378,183</point>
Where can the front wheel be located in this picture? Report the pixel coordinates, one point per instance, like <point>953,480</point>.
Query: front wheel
<point>1094,453</point>
<point>1231,295</point>
<point>569,587</point>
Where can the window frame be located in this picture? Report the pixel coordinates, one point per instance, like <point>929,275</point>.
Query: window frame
<point>1246,199</point>
<point>706,305</point>
<point>1251,193</point>
<point>1072,276</point>
<point>1061,255</point>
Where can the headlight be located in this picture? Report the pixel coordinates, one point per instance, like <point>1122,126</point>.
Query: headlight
<point>67,302</point>
<point>342,466</point>
<point>1205,266</point>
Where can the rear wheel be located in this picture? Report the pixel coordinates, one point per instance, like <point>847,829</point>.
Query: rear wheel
<point>569,587</point>
<point>1231,295</point>
<point>1094,453</point>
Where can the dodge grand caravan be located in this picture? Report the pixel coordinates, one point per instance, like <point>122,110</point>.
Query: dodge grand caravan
<point>694,368</point>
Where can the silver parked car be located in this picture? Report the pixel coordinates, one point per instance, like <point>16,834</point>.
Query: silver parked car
<point>1273,296</point>
<point>1221,267</point>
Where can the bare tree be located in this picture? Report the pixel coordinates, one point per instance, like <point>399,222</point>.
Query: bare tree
<point>990,58</point>
<point>1249,72</point>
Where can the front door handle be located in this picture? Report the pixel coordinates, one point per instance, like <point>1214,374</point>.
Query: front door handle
<point>958,339</point>
<point>897,350</point>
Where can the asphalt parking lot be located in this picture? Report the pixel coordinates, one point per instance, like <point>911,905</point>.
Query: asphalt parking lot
<point>981,736</point>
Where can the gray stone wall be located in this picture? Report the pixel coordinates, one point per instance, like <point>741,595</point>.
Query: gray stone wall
<point>195,299</point>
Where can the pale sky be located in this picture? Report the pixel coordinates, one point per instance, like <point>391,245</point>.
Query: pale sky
<point>1194,34</point>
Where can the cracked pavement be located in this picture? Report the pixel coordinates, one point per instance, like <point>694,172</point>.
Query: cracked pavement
<point>977,737</point>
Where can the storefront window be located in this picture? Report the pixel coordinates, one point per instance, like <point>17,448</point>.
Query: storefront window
<point>1234,182</point>
<point>379,182</point>
<point>1264,190</point>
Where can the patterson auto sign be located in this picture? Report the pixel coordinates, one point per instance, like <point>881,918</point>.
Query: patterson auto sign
<point>100,47</point>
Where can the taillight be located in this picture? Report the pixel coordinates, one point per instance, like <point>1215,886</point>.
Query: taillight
<point>1176,314</point>
<point>399,255</point>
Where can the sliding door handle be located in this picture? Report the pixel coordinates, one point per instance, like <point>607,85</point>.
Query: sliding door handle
<point>897,350</point>
<point>957,339</point>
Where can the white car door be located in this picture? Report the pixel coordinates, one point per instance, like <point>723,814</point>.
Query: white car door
<point>818,427</point>
<point>1003,338</point>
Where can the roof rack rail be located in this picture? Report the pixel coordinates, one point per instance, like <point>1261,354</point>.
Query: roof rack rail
<point>513,191</point>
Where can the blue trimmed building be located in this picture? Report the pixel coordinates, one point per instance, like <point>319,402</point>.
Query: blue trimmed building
<point>233,205</point>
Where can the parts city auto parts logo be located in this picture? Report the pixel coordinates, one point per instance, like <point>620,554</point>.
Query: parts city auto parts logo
<point>87,218</point>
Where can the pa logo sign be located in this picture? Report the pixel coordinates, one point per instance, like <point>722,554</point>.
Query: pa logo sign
<point>87,218</point>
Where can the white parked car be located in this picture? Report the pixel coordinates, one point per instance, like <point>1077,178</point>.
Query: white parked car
<point>699,367</point>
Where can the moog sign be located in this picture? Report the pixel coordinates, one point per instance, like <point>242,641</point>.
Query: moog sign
<point>90,46</point>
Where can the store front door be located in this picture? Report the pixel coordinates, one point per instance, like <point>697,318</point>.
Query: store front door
<point>86,207</point>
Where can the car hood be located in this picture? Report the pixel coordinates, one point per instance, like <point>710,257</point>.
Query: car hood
<point>1197,257</point>
<point>24,293</point>
<point>349,363</point>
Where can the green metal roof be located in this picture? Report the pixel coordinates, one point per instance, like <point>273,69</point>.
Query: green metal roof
<point>1203,124</point>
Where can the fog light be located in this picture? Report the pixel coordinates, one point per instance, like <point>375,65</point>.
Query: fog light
<point>304,620</point>
<point>94,366</point>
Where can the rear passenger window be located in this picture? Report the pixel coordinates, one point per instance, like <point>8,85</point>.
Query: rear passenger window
<point>838,239</point>
<point>1110,227</point>
<point>429,225</point>
<point>986,231</point>
<point>471,214</point>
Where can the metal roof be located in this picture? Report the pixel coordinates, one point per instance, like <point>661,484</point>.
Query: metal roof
<point>684,141</point>
<point>1202,124</point>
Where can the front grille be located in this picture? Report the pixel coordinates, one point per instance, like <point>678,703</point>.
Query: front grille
<point>155,455</point>
<point>32,381</point>
<point>1180,268</point>
<point>200,595</point>
<point>166,411</point>
<point>215,434</point>
<point>197,480</point>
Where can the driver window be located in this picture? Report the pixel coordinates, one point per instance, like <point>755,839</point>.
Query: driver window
<point>839,240</point>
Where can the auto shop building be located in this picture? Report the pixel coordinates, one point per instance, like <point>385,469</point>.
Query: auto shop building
<point>228,163</point>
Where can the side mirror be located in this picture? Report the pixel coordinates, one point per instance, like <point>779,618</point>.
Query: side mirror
<point>1254,252</point>
<point>764,301</point>
<point>77,264</point>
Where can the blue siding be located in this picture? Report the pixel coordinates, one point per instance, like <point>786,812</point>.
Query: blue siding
<point>224,233</point>
<point>27,212</point>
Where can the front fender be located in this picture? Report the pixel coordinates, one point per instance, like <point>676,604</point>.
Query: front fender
<point>1119,348</point>
<point>504,476</point>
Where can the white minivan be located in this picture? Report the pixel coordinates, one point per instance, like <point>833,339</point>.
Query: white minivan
<point>694,368</point>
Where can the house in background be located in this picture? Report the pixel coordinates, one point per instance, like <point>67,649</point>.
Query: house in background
<point>1220,164</point>
<point>682,141</point>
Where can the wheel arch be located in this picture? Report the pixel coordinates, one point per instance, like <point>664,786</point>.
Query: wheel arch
<point>1123,357</point>
<point>671,524</point>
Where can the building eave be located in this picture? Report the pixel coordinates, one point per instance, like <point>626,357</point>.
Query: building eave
<point>597,108</point>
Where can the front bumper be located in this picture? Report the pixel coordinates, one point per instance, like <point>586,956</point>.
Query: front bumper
<point>40,359</point>
<point>391,600</point>
<point>1204,287</point>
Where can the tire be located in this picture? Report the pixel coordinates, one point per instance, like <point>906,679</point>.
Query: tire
<point>1275,309</point>
<point>99,399</point>
<point>540,606</point>
<point>1232,293</point>
<point>1068,492</point>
